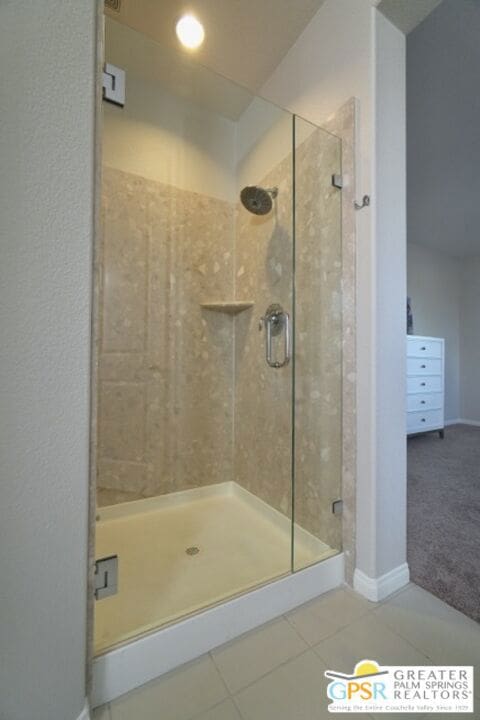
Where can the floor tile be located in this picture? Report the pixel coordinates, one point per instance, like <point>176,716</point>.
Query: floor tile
<point>101,713</point>
<point>324,616</point>
<point>443,634</point>
<point>180,695</point>
<point>224,711</point>
<point>367,638</point>
<point>294,691</point>
<point>246,659</point>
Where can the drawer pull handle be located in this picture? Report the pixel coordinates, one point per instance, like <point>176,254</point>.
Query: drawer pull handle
<point>423,384</point>
<point>423,367</point>
<point>422,402</point>
<point>423,348</point>
<point>423,419</point>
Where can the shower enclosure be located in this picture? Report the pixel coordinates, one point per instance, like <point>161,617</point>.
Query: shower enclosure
<point>219,433</point>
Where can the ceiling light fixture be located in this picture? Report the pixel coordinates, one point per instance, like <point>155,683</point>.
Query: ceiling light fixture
<point>190,32</point>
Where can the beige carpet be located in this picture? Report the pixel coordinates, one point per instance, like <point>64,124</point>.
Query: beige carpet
<point>444,516</point>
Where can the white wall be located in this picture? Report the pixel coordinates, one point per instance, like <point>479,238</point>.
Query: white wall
<point>160,135</point>
<point>434,288</point>
<point>443,121</point>
<point>264,139</point>
<point>47,52</point>
<point>470,339</point>
<point>390,236</point>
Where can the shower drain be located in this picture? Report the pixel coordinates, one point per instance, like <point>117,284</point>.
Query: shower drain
<point>193,550</point>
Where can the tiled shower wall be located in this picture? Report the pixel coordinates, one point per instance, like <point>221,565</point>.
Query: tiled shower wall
<point>185,396</point>
<point>263,396</point>
<point>165,365</point>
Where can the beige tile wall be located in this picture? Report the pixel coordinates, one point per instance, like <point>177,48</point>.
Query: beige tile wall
<point>165,375</point>
<point>318,350</point>
<point>263,396</point>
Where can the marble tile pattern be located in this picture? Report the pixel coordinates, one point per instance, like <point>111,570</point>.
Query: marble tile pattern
<point>318,336</point>
<point>263,396</point>
<point>343,124</point>
<point>264,261</point>
<point>165,393</point>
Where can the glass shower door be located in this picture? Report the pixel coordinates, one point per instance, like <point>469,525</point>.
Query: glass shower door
<point>264,251</point>
<point>194,434</point>
<point>219,433</point>
<point>317,447</point>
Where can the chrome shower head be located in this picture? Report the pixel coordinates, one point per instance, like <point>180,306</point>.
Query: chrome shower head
<point>258,200</point>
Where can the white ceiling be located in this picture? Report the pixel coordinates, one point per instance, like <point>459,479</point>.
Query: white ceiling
<point>407,14</point>
<point>244,39</point>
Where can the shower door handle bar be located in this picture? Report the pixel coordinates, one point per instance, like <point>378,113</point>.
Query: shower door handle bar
<point>277,320</point>
<point>288,340</point>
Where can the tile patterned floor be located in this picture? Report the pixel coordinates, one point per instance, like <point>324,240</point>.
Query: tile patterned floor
<point>276,671</point>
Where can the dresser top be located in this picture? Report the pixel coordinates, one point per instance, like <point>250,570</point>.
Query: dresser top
<point>424,337</point>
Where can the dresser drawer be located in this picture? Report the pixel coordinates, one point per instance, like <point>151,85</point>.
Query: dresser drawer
<point>425,384</point>
<point>418,347</point>
<point>420,401</point>
<point>425,420</point>
<point>424,366</point>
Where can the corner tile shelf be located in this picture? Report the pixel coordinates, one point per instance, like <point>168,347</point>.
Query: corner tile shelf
<point>229,308</point>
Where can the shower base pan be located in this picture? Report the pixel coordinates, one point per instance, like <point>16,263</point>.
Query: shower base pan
<point>181,552</point>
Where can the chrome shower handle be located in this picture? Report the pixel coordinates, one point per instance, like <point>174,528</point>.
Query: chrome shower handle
<point>276,320</point>
<point>288,340</point>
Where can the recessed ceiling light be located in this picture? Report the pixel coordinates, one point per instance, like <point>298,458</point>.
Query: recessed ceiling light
<point>190,32</point>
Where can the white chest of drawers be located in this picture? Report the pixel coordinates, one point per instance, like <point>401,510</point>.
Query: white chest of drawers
<point>425,384</point>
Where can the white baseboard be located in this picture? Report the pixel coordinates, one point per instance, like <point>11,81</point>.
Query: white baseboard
<point>85,714</point>
<point>131,665</point>
<point>463,421</point>
<point>376,589</point>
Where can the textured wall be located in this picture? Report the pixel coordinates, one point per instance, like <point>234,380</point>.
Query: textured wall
<point>165,390</point>
<point>47,52</point>
<point>263,396</point>
<point>318,334</point>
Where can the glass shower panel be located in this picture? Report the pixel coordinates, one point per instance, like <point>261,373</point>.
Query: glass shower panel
<point>263,275</point>
<point>194,433</point>
<point>317,469</point>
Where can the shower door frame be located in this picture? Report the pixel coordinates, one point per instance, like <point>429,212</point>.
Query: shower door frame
<point>130,665</point>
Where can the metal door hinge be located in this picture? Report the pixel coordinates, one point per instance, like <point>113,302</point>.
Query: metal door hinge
<point>337,507</point>
<point>114,84</point>
<point>337,181</point>
<point>106,577</point>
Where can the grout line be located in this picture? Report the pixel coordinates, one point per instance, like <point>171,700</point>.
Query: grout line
<point>263,675</point>
<point>337,630</point>
<point>235,702</point>
<point>210,654</point>
<point>277,667</point>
